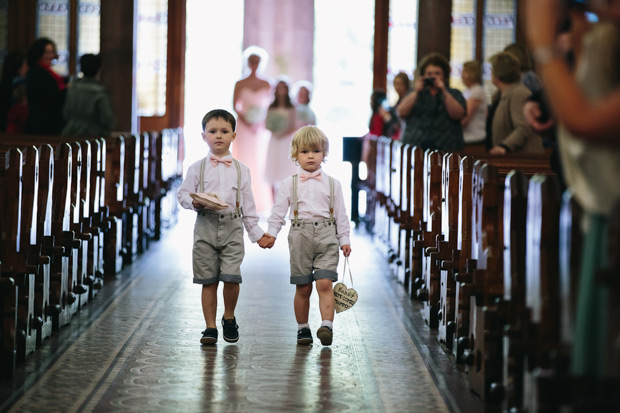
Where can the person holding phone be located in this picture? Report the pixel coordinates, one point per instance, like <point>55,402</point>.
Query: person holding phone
<point>433,111</point>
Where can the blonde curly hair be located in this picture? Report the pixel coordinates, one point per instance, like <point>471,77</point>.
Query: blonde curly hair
<point>309,137</point>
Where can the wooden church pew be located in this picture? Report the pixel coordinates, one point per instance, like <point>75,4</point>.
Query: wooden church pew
<point>10,216</point>
<point>131,194</point>
<point>513,304</point>
<point>429,291</point>
<point>144,230</point>
<point>57,217</point>
<point>394,206</point>
<point>62,299</point>
<point>382,215</point>
<point>542,298</point>
<point>447,244</point>
<point>457,224</point>
<point>8,304</point>
<point>485,332</point>
<point>114,191</point>
<point>403,271</point>
<point>415,221</point>
<point>17,219</point>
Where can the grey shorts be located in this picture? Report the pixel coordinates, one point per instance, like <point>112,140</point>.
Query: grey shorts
<point>314,251</point>
<point>218,247</point>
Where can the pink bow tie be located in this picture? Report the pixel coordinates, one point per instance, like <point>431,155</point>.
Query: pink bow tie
<point>314,175</point>
<point>216,159</point>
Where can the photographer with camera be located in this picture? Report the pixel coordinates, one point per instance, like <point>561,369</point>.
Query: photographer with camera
<point>433,111</point>
<point>586,104</point>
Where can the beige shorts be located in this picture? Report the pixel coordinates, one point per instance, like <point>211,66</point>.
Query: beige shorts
<point>314,251</point>
<point>218,247</point>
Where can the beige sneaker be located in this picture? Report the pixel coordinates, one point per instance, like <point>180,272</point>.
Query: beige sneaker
<point>325,334</point>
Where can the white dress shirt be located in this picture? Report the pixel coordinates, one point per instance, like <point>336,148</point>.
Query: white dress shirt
<point>222,180</point>
<point>312,203</point>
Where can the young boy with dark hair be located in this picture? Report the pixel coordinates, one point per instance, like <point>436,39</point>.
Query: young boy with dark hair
<point>218,234</point>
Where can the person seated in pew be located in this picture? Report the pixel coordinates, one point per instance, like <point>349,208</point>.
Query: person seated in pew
<point>14,69</point>
<point>376,125</point>
<point>528,77</point>
<point>433,110</point>
<point>586,104</point>
<point>18,114</point>
<point>510,131</point>
<point>88,109</point>
<point>218,234</point>
<point>394,125</point>
<point>45,88</point>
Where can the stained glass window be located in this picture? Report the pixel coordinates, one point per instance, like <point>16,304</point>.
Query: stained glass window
<point>499,32</point>
<point>152,57</point>
<point>402,42</point>
<point>53,22</point>
<point>463,39</point>
<point>89,12</point>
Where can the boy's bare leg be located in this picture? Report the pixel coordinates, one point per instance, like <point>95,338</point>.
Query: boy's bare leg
<point>231,295</point>
<point>209,303</point>
<point>302,302</point>
<point>326,298</point>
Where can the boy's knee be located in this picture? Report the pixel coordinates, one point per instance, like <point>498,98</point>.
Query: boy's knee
<point>324,285</point>
<point>304,290</point>
<point>212,286</point>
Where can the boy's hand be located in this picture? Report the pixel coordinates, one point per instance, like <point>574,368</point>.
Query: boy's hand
<point>346,250</point>
<point>266,241</point>
<point>197,206</point>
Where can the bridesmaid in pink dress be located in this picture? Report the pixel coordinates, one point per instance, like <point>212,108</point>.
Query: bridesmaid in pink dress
<point>251,99</point>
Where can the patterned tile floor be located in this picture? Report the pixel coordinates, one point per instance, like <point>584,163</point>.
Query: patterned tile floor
<point>136,348</point>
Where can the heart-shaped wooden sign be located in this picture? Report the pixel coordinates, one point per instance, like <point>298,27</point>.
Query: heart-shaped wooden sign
<point>345,297</point>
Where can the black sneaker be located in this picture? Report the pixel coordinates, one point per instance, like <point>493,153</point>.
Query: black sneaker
<point>209,336</point>
<point>325,334</point>
<point>231,333</point>
<point>304,336</point>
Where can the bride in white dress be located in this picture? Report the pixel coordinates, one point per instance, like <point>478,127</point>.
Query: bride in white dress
<point>250,100</point>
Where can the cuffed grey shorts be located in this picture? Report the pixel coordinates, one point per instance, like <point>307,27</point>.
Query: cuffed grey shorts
<point>218,247</point>
<point>314,251</point>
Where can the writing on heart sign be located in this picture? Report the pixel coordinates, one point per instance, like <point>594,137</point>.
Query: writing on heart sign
<point>344,297</point>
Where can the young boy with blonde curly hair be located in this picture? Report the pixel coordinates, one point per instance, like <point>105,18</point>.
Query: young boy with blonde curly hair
<point>319,228</point>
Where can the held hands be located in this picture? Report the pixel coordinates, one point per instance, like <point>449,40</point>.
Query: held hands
<point>346,250</point>
<point>266,241</point>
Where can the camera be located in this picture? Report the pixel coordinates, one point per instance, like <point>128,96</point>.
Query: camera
<point>429,81</point>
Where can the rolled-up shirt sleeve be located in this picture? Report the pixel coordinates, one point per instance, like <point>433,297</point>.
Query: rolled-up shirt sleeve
<point>189,185</point>
<point>277,219</point>
<point>343,226</point>
<point>250,217</point>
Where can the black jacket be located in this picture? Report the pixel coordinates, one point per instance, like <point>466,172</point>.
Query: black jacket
<point>45,101</point>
